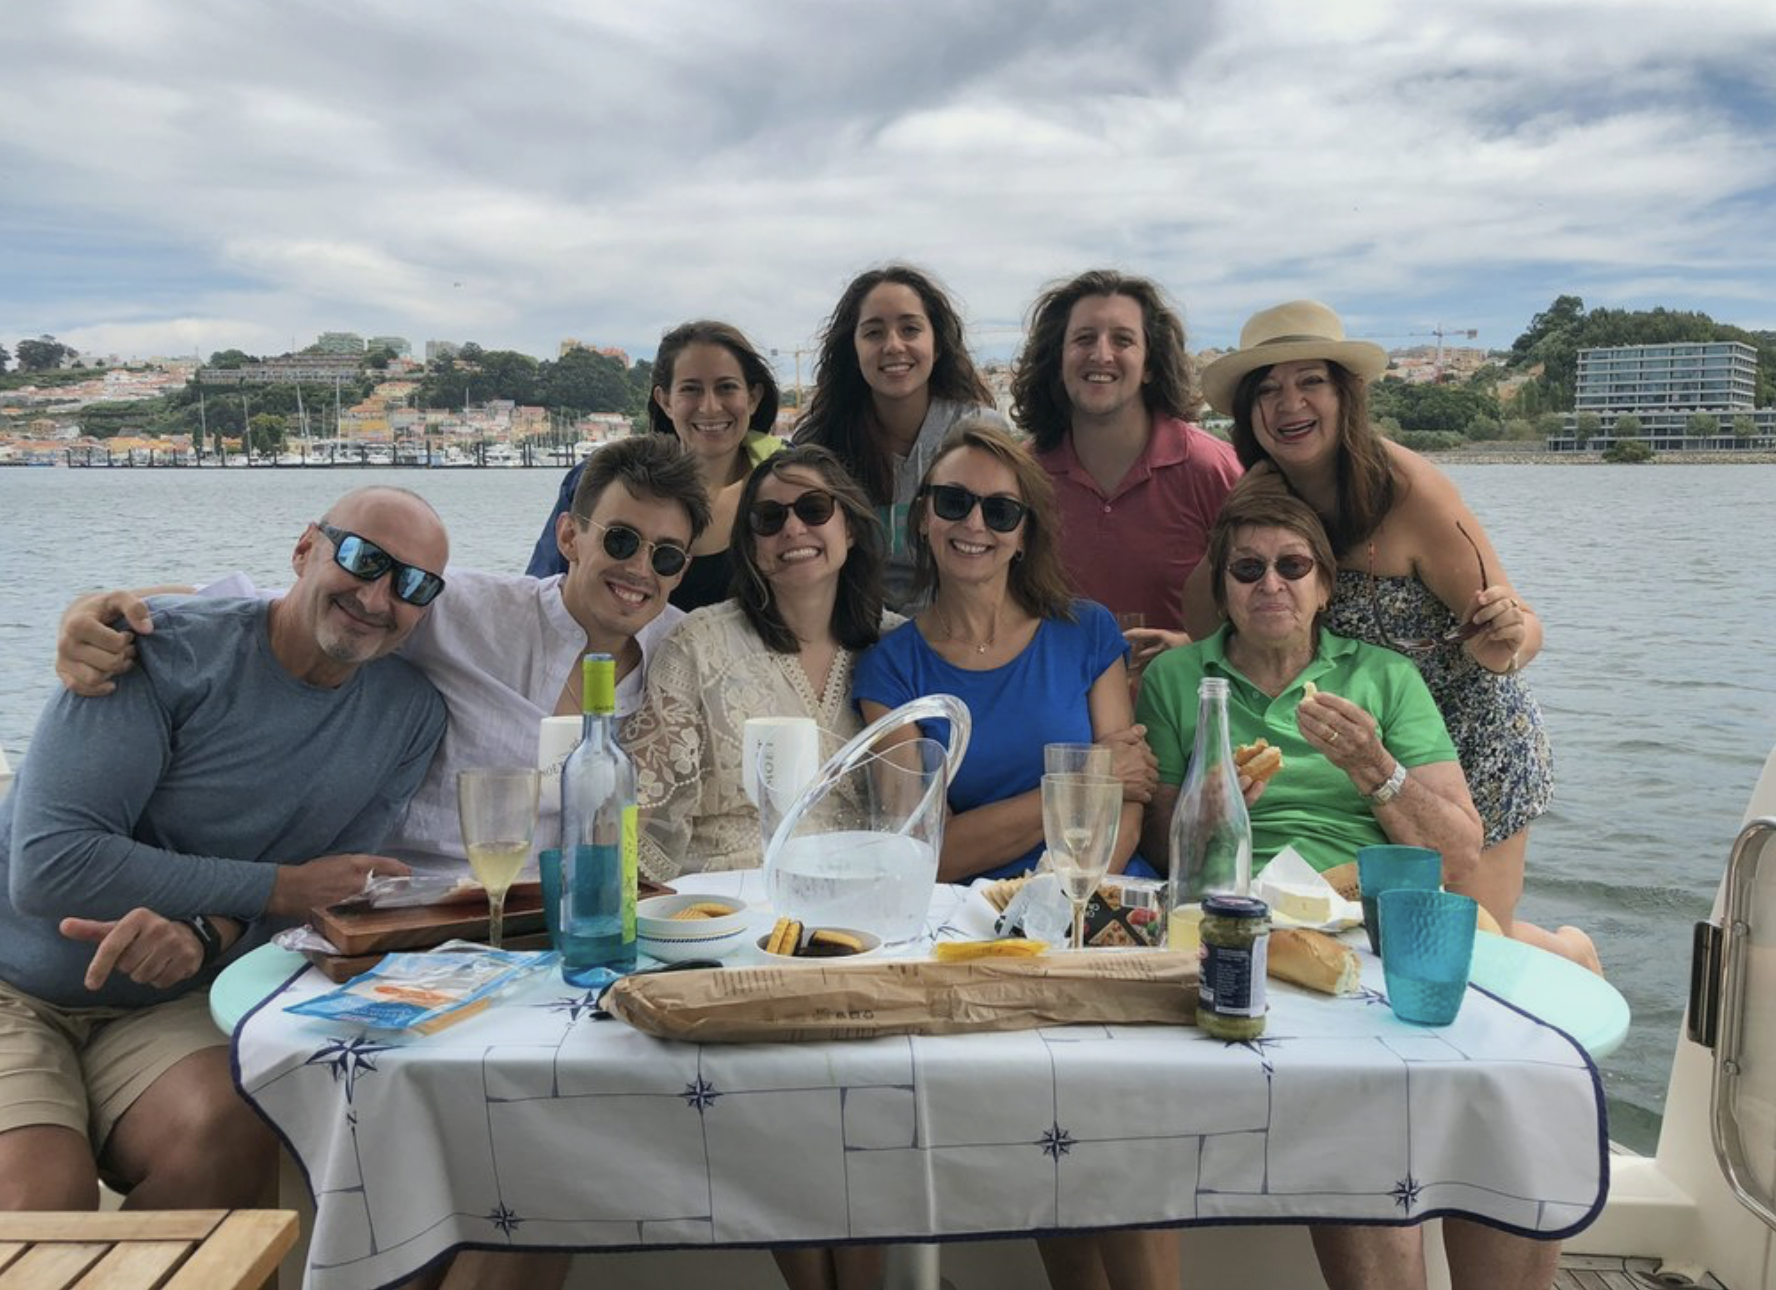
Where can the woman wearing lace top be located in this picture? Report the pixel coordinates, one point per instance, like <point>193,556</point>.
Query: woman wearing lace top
<point>808,551</point>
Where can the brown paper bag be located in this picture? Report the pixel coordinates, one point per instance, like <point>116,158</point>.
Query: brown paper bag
<point>908,997</point>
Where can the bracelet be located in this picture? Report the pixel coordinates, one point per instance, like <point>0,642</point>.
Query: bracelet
<point>208,938</point>
<point>1390,787</point>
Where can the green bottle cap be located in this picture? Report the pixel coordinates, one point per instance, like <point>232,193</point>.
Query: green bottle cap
<point>598,684</point>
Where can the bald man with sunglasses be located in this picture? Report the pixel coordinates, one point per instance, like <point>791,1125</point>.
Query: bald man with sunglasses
<point>247,769</point>
<point>503,649</point>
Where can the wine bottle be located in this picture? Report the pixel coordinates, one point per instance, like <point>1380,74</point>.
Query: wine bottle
<point>598,836</point>
<point>1211,832</point>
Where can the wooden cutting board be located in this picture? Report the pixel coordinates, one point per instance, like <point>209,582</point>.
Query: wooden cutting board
<point>377,931</point>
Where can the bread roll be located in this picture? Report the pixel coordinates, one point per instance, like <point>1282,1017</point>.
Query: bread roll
<point>1258,761</point>
<point>1315,960</point>
<point>1343,879</point>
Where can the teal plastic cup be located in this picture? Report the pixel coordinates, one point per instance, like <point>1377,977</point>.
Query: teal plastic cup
<point>1385,868</point>
<point>549,869</point>
<point>1427,949</point>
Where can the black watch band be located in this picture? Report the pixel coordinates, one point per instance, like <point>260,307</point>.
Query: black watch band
<point>208,937</point>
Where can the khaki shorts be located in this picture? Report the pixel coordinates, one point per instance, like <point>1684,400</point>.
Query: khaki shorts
<point>82,1068</point>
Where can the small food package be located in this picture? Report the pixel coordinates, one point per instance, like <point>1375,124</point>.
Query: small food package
<point>908,997</point>
<point>426,992</point>
<point>1125,914</point>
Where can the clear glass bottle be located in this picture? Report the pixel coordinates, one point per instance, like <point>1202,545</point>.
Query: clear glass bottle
<point>1211,832</point>
<point>598,836</point>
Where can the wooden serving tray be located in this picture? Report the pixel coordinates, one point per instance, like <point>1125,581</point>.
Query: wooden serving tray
<point>377,931</point>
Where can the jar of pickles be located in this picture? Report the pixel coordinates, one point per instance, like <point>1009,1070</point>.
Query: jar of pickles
<point>1235,948</point>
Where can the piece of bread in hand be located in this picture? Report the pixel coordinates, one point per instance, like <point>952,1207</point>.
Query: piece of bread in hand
<point>1259,761</point>
<point>1313,959</point>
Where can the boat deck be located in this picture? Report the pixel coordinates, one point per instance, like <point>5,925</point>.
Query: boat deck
<point>1607,1272</point>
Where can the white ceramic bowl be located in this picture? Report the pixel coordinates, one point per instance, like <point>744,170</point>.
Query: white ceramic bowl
<point>672,940</point>
<point>872,945</point>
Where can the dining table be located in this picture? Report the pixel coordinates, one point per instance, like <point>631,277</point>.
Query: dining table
<point>539,1124</point>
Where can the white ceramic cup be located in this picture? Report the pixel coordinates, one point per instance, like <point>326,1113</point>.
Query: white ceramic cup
<point>556,738</point>
<point>779,757</point>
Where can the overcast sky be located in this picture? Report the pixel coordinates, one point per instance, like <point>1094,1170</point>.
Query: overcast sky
<point>206,174</point>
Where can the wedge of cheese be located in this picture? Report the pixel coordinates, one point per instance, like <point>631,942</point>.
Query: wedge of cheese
<point>1304,904</point>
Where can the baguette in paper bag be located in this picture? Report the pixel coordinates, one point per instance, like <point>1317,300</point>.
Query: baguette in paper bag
<point>907,997</point>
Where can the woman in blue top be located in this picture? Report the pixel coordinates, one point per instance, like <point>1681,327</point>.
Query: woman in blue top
<point>1034,666</point>
<point>1002,633</point>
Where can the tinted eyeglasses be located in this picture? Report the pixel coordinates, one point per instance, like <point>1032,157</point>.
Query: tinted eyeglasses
<point>367,562</point>
<point>1250,568</point>
<point>813,508</point>
<point>953,502</point>
<point>621,542</point>
<point>1421,644</point>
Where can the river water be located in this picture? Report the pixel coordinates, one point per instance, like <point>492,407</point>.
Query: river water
<point>1656,585</point>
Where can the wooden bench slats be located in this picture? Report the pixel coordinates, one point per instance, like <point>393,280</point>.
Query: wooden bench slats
<point>136,1265</point>
<point>130,1250</point>
<point>114,1225</point>
<point>52,1267</point>
<point>243,1252</point>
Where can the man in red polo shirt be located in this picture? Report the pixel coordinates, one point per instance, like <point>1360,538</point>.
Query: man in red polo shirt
<point>1104,391</point>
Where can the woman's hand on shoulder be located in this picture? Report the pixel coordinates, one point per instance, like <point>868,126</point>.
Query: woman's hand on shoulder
<point>1133,762</point>
<point>1148,643</point>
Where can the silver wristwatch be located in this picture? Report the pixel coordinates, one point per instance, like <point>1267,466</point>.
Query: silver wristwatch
<point>1390,787</point>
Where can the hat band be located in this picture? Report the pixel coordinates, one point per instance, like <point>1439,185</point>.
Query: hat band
<point>1296,340</point>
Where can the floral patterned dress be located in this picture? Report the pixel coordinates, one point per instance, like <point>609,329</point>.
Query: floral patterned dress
<point>1493,719</point>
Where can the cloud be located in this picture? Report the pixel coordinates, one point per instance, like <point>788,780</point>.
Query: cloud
<point>550,168</point>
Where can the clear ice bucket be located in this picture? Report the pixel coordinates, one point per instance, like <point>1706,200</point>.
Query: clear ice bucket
<point>858,847</point>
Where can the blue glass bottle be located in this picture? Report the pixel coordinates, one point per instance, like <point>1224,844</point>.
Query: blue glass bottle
<point>598,836</point>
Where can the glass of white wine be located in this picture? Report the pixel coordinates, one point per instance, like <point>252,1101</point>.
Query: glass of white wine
<point>498,808</point>
<point>1080,816</point>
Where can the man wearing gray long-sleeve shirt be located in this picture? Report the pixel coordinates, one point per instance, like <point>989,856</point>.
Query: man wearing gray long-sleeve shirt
<point>244,772</point>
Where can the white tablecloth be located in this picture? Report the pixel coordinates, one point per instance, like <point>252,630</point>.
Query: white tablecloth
<point>534,1126</point>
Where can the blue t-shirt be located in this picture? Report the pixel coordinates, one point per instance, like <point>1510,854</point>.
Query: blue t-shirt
<point>1040,697</point>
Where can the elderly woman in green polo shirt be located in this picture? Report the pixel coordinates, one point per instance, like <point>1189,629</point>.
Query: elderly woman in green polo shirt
<point>1365,760</point>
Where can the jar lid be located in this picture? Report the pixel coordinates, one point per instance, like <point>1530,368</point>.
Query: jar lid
<point>1235,907</point>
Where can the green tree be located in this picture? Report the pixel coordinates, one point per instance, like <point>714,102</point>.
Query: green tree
<point>1562,315</point>
<point>1586,427</point>
<point>229,359</point>
<point>1389,426</point>
<point>1744,427</point>
<point>379,358</point>
<point>1520,430</point>
<point>1628,426</point>
<point>42,354</point>
<point>1702,425</point>
<point>1629,451</point>
<point>268,432</point>
<point>5,357</point>
<point>584,381</point>
<point>1549,425</point>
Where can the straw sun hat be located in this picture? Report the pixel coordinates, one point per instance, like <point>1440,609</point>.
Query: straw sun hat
<point>1286,334</point>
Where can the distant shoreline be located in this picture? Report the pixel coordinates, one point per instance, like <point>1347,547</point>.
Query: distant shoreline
<point>1513,457</point>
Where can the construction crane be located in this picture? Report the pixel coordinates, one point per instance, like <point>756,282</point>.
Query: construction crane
<point>1440,332</point>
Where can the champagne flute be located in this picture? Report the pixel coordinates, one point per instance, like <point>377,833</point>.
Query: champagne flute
<point>498,808</point>
<point>1080,817</point>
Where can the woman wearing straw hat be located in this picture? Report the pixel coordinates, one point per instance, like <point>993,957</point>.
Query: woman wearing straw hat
<point>1416,571</point>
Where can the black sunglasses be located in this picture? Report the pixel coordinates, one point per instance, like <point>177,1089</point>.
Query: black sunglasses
<point>621,542</point>
<point>953,502</point>
<point>1250,568</point>
<point>367,562</point>
<point>813,508</point>
<point>1422,644</point>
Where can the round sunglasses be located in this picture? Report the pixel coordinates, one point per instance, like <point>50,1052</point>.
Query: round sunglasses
<point>813,508</point>
<point>1250,568</point>
<point>621,542</point>
<point>367,562</point>
<point>953,502</point>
